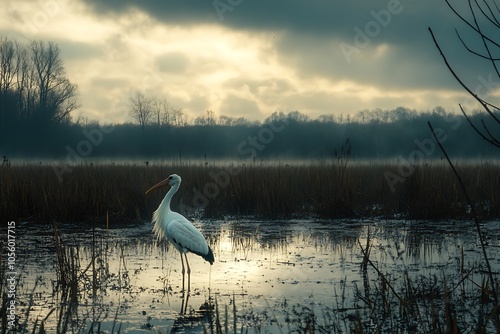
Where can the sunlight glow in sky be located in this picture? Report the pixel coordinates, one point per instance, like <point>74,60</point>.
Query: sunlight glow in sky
<point>289,58</point>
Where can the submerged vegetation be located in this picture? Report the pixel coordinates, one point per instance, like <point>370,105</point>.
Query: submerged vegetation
<point>338,189</point>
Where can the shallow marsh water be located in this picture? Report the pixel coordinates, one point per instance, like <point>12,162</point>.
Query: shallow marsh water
<point>274,273</point>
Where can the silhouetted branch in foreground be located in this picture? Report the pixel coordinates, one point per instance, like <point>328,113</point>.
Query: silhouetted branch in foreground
<point>490,138</point>
<point>478,227</point>
<point>489,14</point>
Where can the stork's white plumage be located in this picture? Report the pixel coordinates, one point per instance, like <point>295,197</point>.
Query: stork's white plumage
<point>177,229</point>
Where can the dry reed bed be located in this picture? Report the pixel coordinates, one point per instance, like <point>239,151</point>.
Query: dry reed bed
<point>333,190</point>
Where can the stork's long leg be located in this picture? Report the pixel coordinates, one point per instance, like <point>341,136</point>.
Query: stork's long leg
<point>183,272</point>
<point>187,263</point>
<point>189,273</point>
<point>182,261</point>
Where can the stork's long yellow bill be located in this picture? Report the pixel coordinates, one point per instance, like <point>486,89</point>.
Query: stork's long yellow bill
<point>161,184</point>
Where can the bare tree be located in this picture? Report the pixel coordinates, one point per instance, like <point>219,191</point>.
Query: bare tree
<point>8,64</point>
<point>484,22</point>
<point>208,118</point>
<point>25,84</point>
<point>8,72</point>
<point>226,120</point>
<point>178,116</point>
<point>161,111</point>
<point>141,108</point>
<point>163,114</point>
<point>56,94</point>
<point>33,85</point>
<point>326,118</point>
<point>167,113</point>
<point>298,116</point>
<point>295,116</point>
<point>243,121</point>
<point>275,117</point>
<point>233,121</point>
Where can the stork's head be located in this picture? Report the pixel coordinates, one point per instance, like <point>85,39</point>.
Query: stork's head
<point>172,180</point>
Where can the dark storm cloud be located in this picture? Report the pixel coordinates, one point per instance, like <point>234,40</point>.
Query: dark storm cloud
<point>320,17</point>
<point>334,38</point>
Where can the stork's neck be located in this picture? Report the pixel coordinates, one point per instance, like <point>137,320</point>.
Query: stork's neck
<point>168,197</point>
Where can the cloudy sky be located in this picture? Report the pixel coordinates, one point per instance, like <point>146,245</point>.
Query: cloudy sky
<point>253,57</point>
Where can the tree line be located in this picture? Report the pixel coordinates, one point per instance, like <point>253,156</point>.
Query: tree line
<point>280,137</point>
<point>151,110</point>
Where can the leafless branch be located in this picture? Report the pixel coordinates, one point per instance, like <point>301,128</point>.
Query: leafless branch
<point>483,103</point>
<point>472,51</point>
<point>483,36</point>
<point>470,24</point>
<point>491,140</point>
<point>476,220</point>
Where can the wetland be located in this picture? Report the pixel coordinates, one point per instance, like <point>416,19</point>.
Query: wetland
<point>270,276</point>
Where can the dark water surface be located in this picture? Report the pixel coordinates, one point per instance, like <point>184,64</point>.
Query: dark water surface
<point>275,273</point>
